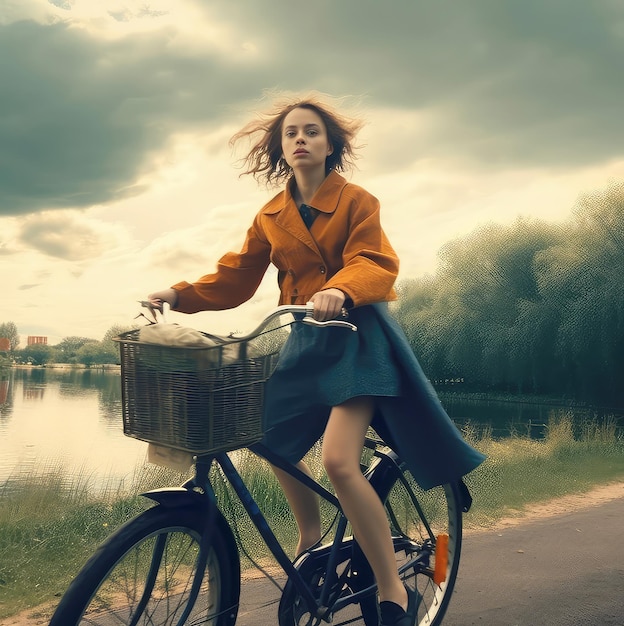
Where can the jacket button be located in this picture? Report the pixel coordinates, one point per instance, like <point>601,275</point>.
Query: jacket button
<point>322,269</point>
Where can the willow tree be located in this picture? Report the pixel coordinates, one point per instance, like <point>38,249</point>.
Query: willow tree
<point>487,282</point>
<point>586,277</point>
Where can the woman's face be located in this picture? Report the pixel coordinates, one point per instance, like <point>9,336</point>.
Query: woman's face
<point>305,144</point>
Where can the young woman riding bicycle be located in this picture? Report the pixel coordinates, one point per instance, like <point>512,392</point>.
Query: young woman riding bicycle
<point>325,238</point>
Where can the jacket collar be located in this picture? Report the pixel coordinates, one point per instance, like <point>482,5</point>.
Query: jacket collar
<point>325,199</point>
<point>286,211</point>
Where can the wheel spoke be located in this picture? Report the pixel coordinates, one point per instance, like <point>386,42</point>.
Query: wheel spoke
<point>153,573</point>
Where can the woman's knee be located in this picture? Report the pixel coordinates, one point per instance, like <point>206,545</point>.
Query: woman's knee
<point>339,467</point>
<point>344,438</point>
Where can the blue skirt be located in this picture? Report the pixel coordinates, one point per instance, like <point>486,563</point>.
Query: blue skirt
<point>319,368</point>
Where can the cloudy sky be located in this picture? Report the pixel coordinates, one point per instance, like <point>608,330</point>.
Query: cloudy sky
<point>116,178</point>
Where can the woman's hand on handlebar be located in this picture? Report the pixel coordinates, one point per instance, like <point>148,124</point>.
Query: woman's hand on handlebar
<point>328,304</point>
<point>156,299</point>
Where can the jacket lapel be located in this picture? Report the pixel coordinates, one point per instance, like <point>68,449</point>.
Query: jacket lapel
<point>325,200</point>
<point>289,220</point>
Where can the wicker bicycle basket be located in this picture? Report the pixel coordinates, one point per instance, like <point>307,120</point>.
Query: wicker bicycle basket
<point>197,399</point>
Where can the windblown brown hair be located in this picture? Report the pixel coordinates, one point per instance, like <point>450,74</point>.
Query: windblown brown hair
<point>265,161</point>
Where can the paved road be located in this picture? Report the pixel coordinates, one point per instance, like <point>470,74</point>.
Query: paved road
<point>562,571</point>
<point>566,570</point>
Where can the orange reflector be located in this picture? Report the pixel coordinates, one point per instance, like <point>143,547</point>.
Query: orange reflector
<point>441,559</point>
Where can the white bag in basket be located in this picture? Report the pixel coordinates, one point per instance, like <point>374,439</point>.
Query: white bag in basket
<point>174,335</point>
<point>183,337</point>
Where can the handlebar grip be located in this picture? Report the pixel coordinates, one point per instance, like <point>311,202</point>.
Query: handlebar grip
<point>338,323</point>
<point>309,319</point>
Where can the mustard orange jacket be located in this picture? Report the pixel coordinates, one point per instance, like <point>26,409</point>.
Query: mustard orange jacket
<point>345,248</point>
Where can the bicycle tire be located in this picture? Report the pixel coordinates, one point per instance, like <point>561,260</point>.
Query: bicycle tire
<point>110,587</point>
<point>417,518</point>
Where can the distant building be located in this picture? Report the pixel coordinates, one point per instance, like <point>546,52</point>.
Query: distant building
<point>33,340</point>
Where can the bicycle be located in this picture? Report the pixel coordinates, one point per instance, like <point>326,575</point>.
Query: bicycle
<point>178,562</point>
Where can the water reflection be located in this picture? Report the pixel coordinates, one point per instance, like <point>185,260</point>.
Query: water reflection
<point>66,420</point>
<point>33,385</point>
<point>6,392</point>
<point>33,393</point>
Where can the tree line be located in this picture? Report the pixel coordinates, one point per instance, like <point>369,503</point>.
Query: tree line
<point>532,307</point>
<point>73,350</point>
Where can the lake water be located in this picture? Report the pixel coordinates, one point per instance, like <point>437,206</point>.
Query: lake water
<point>53,419</point>
<point>69,419</point>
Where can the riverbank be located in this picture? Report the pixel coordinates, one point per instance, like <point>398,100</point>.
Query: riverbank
<point>49,525</point>
<point>528,399</point>
<point>562,505</point>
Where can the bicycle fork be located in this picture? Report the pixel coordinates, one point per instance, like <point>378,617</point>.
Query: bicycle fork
<point>197,494</point>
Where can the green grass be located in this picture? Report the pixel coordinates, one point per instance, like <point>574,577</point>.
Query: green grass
<point>49,526</point>
<point>521,471</point>
<point>47,529</point>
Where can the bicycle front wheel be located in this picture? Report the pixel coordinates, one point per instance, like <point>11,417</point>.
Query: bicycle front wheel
<point>154,571</point>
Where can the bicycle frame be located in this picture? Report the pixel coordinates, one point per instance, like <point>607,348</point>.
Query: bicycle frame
<point>382,470</point>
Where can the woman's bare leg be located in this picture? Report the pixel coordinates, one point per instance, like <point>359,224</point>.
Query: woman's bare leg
<point>342,449</point>
<point>304,505</point>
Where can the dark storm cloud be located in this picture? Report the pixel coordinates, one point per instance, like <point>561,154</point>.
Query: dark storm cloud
<point>62,140</point>
<point>531,82</point>
<point>500,83</point>
<point>81,117</point>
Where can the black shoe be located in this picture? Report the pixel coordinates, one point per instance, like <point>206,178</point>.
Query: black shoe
<point>391,614</point>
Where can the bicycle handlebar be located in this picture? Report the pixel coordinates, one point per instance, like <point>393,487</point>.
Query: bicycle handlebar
<point>307,310</point>
<point>293,309</point>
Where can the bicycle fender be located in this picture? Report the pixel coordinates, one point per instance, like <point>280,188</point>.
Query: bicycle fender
<point>383,472</point>
<point>179,497</point>
<point>172,497</point>
<point>466,496</point>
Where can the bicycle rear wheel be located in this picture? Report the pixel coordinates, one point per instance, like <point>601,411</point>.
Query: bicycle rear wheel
<point>422,522</point>
<point>417,519</point>
<point>152,571</point>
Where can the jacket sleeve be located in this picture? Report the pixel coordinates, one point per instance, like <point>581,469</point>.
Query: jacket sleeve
<point>370,264</point>
<point>236,280</point>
